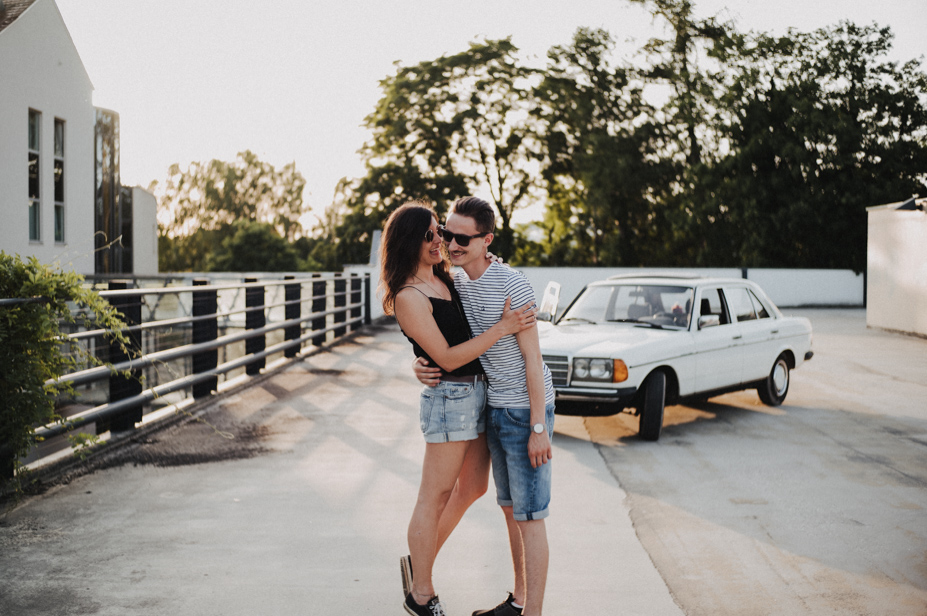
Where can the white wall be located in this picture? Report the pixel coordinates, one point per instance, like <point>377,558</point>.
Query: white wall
<point>40,69</point>
<point>787,288</point>
<point>811,287</point>
<point>897,263</point>
<point>144,232</point>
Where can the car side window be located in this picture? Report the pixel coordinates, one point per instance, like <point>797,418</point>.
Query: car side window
<point>713,303</point>
<point>761,311</point>
<point>741,306</point>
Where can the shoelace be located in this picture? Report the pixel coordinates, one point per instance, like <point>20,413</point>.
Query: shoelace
<point>437,609</point>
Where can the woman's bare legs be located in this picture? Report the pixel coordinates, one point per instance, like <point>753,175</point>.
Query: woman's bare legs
<point>471,485</point>
<point>440,472</point>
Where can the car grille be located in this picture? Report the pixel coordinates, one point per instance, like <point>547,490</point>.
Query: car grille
<point>559,369</point>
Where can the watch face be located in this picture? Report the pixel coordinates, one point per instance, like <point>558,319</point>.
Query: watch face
<point>538,428</point>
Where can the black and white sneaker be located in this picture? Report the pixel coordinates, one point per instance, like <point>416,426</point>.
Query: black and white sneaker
<point>503,609</point>
<point>405,566</point>
<point>433,608</point>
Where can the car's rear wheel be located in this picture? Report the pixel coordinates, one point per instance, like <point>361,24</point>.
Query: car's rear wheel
<point>651,410</point>
<point>776,385</point>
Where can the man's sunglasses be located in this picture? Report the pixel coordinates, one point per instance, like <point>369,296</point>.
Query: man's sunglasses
<point>461,239</point>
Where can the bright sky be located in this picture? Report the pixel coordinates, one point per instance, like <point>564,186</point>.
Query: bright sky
<point>292,80</point>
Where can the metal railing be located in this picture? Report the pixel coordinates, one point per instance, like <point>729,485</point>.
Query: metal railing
<point>184,339</point>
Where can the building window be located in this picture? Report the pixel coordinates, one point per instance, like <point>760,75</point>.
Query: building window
<point>59,181</point>
<point>35,219</point>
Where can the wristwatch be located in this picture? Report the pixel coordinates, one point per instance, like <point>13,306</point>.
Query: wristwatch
<point>538,428</point>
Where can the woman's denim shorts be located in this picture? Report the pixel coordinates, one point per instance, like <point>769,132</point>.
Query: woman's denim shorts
<point>453,411</point>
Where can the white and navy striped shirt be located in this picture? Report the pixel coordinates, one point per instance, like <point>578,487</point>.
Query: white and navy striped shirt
<point>483,300</point>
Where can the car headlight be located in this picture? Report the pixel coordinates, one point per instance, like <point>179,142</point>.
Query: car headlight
<point>604,370</point>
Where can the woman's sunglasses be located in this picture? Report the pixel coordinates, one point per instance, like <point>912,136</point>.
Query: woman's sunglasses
<point>429,235</point>
<point>461,239</point>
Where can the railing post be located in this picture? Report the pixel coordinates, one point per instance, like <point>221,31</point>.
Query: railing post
<point>292,293</point>
<point>254,319</point>
<point>122,387</point>
<point>318,305</point>
<point>367,299</point>
<point>341,300</point>
<point>355,298</point>
<point>205,302</point>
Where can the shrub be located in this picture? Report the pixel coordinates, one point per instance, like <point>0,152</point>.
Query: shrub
<point>33,349</point>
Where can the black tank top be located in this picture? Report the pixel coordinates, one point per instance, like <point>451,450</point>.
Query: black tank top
<point>450,318</point>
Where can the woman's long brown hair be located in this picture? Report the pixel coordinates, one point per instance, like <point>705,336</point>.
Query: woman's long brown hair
<point>401,249</point>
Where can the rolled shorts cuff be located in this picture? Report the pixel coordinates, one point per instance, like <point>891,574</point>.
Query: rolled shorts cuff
<point>527,517</point>
<point>454,437</point>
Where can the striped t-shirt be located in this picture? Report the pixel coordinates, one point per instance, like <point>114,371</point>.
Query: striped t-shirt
<point>483,300</point>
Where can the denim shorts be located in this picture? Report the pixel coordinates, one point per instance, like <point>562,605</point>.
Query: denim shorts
<point>518,485</point>
<point>453,411</point>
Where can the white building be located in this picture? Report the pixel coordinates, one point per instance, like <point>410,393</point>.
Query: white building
<point>50,203</point>
<point>46,138</point>
<point>896,292</point>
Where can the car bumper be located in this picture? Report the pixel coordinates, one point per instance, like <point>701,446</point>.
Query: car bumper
<point>621,396</point>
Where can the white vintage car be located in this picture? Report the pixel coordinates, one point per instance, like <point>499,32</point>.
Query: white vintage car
<point>640,342</point>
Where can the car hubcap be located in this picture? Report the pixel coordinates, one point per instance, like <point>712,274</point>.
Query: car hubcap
<point>780,377</point>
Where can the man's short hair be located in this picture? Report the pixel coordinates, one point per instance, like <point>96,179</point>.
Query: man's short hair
<point>478,210</point>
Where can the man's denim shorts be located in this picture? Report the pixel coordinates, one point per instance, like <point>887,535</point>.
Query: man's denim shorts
<point>453,411</point>
<point>518,485</point>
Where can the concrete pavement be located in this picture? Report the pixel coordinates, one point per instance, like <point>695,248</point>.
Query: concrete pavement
<point>305,512</point>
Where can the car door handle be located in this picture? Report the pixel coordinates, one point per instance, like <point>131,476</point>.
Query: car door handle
<point>738,337</point>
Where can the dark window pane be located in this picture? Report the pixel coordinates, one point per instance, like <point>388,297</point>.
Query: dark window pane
<point>59,223</point>
<point>34,221</point>
<point>33,175</point>
<point>59,181</point>
<point>35,119</point>
<point>59,138</point>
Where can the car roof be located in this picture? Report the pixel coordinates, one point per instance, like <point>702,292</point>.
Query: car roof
<point>663,279</point>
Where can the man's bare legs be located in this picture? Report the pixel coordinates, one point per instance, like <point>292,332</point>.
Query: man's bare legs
<point>530,559</point>
<point>440,472</point>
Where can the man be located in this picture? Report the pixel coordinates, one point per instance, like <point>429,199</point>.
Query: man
<point>520,401</point>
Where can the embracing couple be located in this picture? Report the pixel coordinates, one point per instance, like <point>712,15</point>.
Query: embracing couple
<point>488,394</point>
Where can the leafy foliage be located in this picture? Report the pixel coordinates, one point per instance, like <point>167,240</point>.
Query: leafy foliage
<point>601,166</point>
<point>199,206</point>
<point>444,129</point>
<point>33,349</point>
<point>255,246</point>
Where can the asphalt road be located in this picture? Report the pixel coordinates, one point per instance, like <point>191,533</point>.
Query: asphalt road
<point>292,497</point>
<point>815,507</point>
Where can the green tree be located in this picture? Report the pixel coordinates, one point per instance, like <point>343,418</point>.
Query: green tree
<point>198,206</point>
<point>818,126</point>
<point>444,129</point>
<point>601,166</point>
<point>255,247</point>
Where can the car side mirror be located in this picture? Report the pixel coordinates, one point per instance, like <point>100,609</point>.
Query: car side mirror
<point>709,320</point>
<point>548,309</point>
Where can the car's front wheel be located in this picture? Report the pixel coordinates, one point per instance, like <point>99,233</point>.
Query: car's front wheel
<point>651,410</point>
<point>776,385</point>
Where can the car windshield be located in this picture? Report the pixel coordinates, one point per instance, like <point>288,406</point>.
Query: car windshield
<point>657,305</point>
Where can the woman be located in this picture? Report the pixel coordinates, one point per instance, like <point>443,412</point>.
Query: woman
<point>419,291</point>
